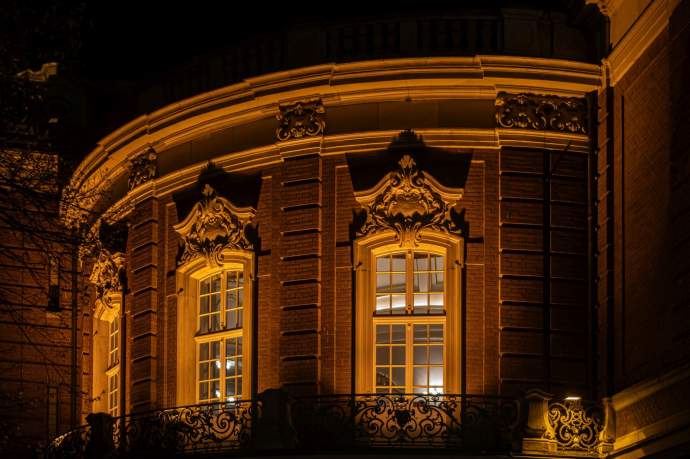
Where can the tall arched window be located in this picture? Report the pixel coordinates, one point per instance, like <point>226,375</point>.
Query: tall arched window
<point>408,258</point>
<point>409,322</point>
<point>214,309</point>
<point>408,315</point>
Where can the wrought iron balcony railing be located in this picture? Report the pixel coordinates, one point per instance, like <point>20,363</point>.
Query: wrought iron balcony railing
<point>462,423</point>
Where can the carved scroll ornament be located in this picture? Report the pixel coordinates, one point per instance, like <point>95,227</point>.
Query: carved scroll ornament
<point>142,168</point>
<point>213,225</point>
<point>532,111</point>
<point>301,119</point>
<point>408,201</point>
<point>106,277</point>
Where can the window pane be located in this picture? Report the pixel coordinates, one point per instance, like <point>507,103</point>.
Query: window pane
<point>240,297</point>
<point>383,283</point>
<point>231,299</point>
<point>204,305</point>
<point>398,262</point>
<point>215,283</point>
<point>398,355</point>
<point>382,356</point>
<point>436,282</point>
<point>203,391</point>
<point>421,299</point>
<point>420,333</point>
<point>382,376</point>
<point>382,334</point>
<point>215,389</point>
<point>437,263</point>
<point>383,263</point>
<point>215,322</point>
<point>421,262</point>
<point>398,304</point>
<point>420,375</point>
<point>398,334</point>
<point>215,349</point>
<point>215,302</point>
<point>436,355</point>
<point>421,282</point>
<point>398,376</point>
<point>436,333</point>
<point>230,389</point>
<point>436,376</point>
<point>205,285</point>
<point>203,371</point>
<point>397,283</point>
<point>239,366</point>
<point>420,355</point>
<point>383,303</point>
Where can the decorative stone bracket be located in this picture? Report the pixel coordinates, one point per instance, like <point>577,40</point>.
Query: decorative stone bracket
<point>533,111</point>
<point>106,276</point>
<point>142,168</point>
<point>214,224</point>
<point>408,201</point>
<point>301,119</point>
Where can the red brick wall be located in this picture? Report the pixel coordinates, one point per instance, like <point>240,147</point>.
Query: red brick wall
<point>651,189</point>
<point>544,305</point>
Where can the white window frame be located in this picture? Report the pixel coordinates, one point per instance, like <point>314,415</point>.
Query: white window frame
<point>189,276</point>
<point>384,242</point>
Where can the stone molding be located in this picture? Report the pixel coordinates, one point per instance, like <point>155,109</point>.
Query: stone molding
<point>539,112</point>
<point>407,201</point>
<point>213,225</point>
<point>106,276</point>
<point>142,168</point>
<point>301,119</point>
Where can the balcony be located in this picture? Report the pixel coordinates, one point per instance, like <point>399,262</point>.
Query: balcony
<point>461,424</point>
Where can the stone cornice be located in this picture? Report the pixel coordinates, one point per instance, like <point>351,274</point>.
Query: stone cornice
<point>259,98</point>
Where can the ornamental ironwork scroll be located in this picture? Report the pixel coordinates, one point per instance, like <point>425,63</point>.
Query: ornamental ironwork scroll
<point>533,111</point>
<point>464,422</point>
<point>213,225</point>
<point>142,168</point>
<point>575,427</point>
<point>407,201</point>
<point>301,119</point>
<point>106,276</point>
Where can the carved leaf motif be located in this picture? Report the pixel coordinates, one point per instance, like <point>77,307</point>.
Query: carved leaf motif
<point>301,119</point>
<point>213,225</point>
<point>532,111</point>
<point>142,168</point>
<point>105,276</point>
<point>408,202</point>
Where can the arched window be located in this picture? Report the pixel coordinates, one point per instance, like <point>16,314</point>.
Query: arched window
<point>408,314</point>
<point>214,330</point>
<point>214,303</point>
<point>105,376</point>
<point>408,258</point>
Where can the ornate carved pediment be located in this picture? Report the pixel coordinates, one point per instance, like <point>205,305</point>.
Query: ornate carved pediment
<point>142,168</point>
<point>408,201</point>
<point>532,111</point>
<point>213,225</point>
<point>301,119</point>
<point>106,277</point>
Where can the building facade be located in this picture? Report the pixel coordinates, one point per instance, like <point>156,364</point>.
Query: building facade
<point>485,254</point>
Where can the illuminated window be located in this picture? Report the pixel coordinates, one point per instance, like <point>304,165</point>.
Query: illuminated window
<point>408,314</point>
<point>214,331</point>
<point>409,322</point>
<point>113,371</point>
<point>219,349</point>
